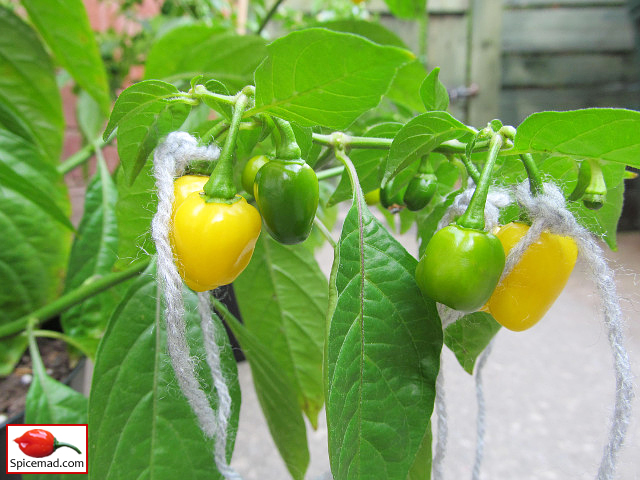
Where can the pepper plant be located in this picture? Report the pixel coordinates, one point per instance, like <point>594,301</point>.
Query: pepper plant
<point>340,109</point>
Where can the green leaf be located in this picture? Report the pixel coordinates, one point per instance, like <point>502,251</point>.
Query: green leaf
<point>319,77</point>
<point>135,207</point>
<point>600,133</point>
<point>144,113</point>
<point>91,120</point>
<point>33,246</point>
<point>375,32</point>
<point>277,398</point>
<point>28,89</point>
<point>421,468</point>
<point>468,336</point>
<point>51,402</point>
<point>420,136</point>
<point>383,355</point>
<point>93,254</point>
<point>407,8</point>
<point>11,350</point>
<point>187,51</point>
<point>64,25</point>
<point>368,163</point>
<point>282,295</point>
<point>141,424</point>
<point>433,93</point>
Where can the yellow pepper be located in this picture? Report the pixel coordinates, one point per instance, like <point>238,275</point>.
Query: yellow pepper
<point>528,291</point>
<point>212,241</point>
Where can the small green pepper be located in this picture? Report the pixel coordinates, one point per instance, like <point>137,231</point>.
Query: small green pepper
<point>251,169</point>
<point>422,187</point>
<point>392,201</point>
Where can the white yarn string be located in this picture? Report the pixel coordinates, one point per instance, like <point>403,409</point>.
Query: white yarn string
<point>481,413</point>
<point>170,159</point>
<point>442,427</point>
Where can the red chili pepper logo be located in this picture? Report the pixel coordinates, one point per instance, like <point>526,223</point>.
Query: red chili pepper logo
<point>40,443</point>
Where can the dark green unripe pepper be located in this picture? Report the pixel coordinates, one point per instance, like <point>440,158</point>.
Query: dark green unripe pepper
<point>461,267</point>
<point>287,194</point>
<point>420,191</point>
<point>392,201</point>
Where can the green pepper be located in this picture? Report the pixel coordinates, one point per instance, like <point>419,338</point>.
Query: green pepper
<point>462,263</point>
<point>591,187</point>
<point>390,200</point>
<point>421,188</point>
<point>250,170</point>
<point>286,191</point>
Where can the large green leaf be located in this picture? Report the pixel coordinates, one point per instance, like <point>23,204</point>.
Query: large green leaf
<point>93,254</point>
<point>33,246</point>
<point>282,296</point>
<point>28,90</point>
<point>277,398</point>
<point>433,93</point>
<point>135,207</point>
<point>144,113</point>
<point>420,136</point>
<point>140,424</point>
<point>322,77</point>
<point>468,336</point>
<point>368,163</point>
<point>65,27</point>
<point>190,50</point>
<point>383,355</point>
<point>601,133</point>
<point>51,402</point>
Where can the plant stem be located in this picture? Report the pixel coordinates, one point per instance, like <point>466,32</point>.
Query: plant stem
<point>325,231</point>
<point>270,14</point>
<point>535,180</point>
<point>329,173</point>
<point>471,168</point>
<point>473,216</point>
<point>81,156</point>
<point>60,336</point>
<point>220,186</point>
<point>214,132</point>
<point>353,175</point>
<point>287,148</point>
<point>72,298</point>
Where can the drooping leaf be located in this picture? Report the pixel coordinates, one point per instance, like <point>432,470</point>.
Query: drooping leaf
<point>33,246</point>
<point>28,90</point>
<point>135,207</point>
<point>321,77</point>
<point>187,51</point>
<point>601,133</point>
<point>368,162</point>
<point>52,402</point>
<point>141,424</point>
<point>64,25</point>
<point>468,336</point>
<point>420,136</point>
<point>11,350</point>
<point>282,296</point>
<point>277,398</point>
<point>144,113</point>
<point>93,254</point>
<point>433,93</point>
<point>383,355</point>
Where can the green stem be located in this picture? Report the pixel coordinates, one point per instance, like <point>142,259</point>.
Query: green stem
<point>329,173</point>
<point>473,217</point>
<point>450,147</point>
<point>60,336</point>
<point>325,231</point>
<point>72,298</point>
<point>214,132</point>
<point>535,180</point>
<point>220,186</point>
<point>200,92</point>
<point>80,157</point>
<point>57,445</point>
<point>270,14</point>
<point>471,168</point>
<point>342,156</point>
<point>287,148</point>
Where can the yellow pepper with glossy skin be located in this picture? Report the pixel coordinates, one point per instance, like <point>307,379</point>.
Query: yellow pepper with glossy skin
<point>212,241</point>
<point>526,294</point>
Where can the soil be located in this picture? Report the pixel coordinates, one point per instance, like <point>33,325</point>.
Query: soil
<point>13,389</point>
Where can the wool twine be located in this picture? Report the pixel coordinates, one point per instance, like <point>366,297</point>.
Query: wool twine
<point>549,213</point>
<point>170,160</point>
